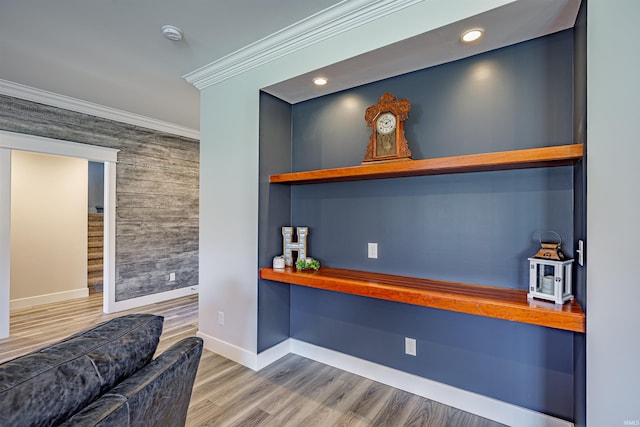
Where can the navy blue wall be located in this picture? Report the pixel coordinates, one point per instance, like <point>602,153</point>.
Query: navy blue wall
<point>580,209</point>
<point>274,206</point>
<point>516,97</point>
<point>526,365</point>
<point>477,228</point>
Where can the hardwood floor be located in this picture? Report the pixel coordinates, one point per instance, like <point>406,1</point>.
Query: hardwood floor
<point>293,391</point>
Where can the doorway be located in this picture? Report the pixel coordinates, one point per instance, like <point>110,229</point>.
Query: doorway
<point>10,141</point>
<point>95,226</point>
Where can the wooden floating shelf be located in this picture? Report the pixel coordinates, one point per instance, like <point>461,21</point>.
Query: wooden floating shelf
<point>560,155</point>
<point>489,301</point>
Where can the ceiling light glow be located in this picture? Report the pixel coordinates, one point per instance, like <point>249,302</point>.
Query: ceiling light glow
<point>472,35</point>
<point>320,81</point>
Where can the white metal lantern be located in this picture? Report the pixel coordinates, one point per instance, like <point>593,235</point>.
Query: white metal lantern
<point>550,279</point>
<point>550,273</point>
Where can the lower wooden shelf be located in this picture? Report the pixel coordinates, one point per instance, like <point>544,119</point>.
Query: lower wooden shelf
<point>489,301</point>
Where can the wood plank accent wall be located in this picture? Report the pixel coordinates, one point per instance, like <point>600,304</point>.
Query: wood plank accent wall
<point>157,192</point>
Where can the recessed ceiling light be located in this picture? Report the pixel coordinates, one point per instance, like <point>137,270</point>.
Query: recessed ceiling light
<point>171,32</point>
<point>320,81</point>
<point>471,35</point>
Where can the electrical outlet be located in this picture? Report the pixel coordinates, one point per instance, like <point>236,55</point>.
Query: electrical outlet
<point>172,277</point>
<point>221,318</point>
<point>410,346</point>
<point>372,250</point>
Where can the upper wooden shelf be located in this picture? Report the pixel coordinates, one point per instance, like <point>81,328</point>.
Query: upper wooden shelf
<point>560,155</point>
<point>489,301</point>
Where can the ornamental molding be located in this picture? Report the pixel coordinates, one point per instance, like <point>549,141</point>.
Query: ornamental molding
<point>29,93</point>
<point>321,26</point>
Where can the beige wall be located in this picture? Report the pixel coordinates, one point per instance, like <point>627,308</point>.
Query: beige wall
<point>48,228</point>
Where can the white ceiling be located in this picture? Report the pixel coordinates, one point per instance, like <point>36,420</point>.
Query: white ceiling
<point>111,52</point>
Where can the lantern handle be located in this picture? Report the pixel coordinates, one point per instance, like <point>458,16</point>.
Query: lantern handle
<point>554,232</point>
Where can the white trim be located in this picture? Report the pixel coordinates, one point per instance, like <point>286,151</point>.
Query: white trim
<point>16,141</point>
<point>483,406</point>
<point>29,93</point>
<point>487,407</point>
<point>49,298</point>
<point>152,299</point>
<point>274,353</point>
<point>58,147</point>
<point>5,239</point>
<point>244,357</point>
<point>323,25</point>
<point>230,351</point>
<point>109,241</point>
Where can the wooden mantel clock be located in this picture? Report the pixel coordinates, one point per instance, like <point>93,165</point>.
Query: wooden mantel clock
<point>386,118</point>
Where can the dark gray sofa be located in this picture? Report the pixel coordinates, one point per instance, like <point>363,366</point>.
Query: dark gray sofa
<point>104,376</point>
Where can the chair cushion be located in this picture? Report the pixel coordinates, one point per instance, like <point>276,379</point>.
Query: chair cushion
<point>49,385</point>
<point>156,395</point>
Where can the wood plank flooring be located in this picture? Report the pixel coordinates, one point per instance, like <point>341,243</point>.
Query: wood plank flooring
<point>293,391</point>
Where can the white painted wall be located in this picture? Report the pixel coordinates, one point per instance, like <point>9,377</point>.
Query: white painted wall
<point>48,228</point>
<point>229,167</point>
<point>613,213</point>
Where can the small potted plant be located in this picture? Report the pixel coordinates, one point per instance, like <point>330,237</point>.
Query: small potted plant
<point>307,264</point>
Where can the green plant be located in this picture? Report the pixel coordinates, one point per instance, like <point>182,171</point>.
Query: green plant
<point>307,264</point>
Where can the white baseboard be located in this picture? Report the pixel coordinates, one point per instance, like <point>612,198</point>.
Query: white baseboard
<point>483,406</point>
<point>274,353</point>
<point>230,351</point>
<point>48,298</point>
<point>244,357</point>
<point>128,304</point>
<point>487,407</point>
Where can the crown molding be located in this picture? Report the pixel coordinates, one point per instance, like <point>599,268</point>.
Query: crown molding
<point>323,25</point>
<point>29,93</point>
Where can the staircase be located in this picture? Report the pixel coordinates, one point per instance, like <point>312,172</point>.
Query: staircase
<point>94,263</point>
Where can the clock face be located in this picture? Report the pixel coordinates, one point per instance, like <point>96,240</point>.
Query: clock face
<point>386,123</point>
<point>385,138</point>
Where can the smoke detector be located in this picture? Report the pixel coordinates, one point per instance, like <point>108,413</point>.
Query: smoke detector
<point>172,33</point>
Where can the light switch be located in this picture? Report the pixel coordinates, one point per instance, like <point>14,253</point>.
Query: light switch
<point>372,250</point>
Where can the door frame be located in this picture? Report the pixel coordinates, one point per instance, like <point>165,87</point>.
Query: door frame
<point>10,141</point>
